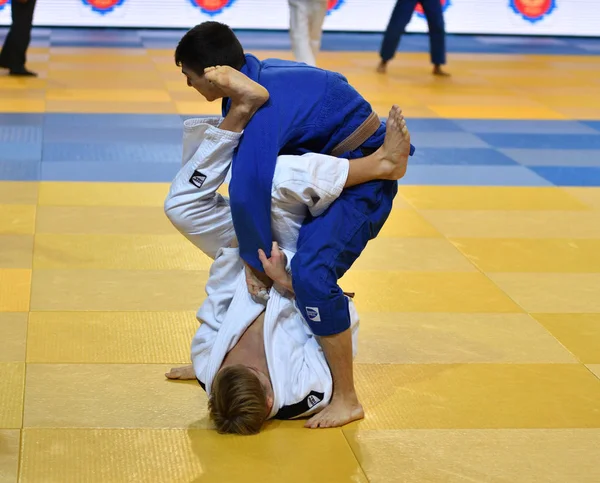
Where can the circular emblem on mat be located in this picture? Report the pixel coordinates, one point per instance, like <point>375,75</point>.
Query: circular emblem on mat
<point>533,10</point>
<point>419,9</point>
<point>334,5</point>
<point>212,7</point>
<point>103,6</point>
<point>3,3</point>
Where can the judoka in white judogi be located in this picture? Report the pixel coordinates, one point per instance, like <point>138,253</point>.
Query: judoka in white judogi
<point>299,373</point>
<point>306,28</point>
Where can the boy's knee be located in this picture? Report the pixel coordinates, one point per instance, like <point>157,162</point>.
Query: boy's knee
<point>176,213</point>
<point>328,317</point>
<point>300,275</point>
<point>320,300</point>
<point>308,279</point>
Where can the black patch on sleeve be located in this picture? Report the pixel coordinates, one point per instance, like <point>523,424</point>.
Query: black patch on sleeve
<point>198,179</point>
<point>202,385</point>
<point>294,410</point>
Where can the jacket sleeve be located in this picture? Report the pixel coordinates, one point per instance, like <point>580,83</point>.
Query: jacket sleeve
<point>251,181</point>
<point>193,205</point>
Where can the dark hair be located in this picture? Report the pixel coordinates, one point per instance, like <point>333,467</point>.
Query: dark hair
<point>207,45</point>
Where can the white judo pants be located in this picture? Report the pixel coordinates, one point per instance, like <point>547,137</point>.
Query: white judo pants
<point>306,28</point>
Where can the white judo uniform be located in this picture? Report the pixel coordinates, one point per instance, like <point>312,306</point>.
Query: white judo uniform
<point>306,28</point>
<point>301,379</point>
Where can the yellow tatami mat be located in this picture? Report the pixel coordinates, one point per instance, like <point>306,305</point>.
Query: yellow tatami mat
<point>478,354</point>
<point>479,346</point>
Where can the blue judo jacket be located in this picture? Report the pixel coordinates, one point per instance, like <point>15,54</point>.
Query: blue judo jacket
<point>309,110</point>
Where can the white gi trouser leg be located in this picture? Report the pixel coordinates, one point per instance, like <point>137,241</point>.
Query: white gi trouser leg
<point>306,28</point>
<point>193,205</point>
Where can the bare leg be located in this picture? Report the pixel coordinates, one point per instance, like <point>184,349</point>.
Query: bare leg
<point>236,120</point>
<point>184,373</point>
<point>382,67</point>
<point>344,406</point>
<point>390,160</point>
<point>246,96</point>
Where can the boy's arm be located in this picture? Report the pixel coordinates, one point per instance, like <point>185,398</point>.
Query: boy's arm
<point>193,204</point>
<point>251,181</point>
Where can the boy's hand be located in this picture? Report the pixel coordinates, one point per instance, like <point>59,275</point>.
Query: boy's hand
<point>258,283</point>
<point>274,266</point>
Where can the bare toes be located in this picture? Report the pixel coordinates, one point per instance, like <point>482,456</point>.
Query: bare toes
<point>311,424</point>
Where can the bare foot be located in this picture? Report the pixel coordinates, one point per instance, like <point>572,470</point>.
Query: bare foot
<point>437,70</point>
<point>184,373</point>
<point>339,412</point>
<point>382,67</point>
<point>243,91</point>
<point>396,146</point>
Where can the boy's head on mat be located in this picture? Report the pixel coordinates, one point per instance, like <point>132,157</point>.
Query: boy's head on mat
<point>208,45</point>
<point>241,400</point>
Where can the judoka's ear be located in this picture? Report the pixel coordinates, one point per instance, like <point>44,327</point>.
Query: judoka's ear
<point>269,402</point>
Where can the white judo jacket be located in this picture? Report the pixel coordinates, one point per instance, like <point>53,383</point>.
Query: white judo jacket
<point>300,376</point>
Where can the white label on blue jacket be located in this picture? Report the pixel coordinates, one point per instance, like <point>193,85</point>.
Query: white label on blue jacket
<point>313,314</point>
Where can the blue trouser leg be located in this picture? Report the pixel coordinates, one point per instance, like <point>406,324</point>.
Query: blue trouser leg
<point>437,33</point>
<point>401,15</point>
<point>328,246</point>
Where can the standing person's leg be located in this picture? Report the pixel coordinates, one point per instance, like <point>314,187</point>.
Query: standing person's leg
<point>7,48</point>
<point>299,31</point>
<point>318,12</point>
<point>14,53</point>
<point>437,34</point>
<point>401,15</point>
<point>328,245</point>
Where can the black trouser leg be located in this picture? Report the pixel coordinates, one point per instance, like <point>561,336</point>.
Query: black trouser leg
<point>14,51</point>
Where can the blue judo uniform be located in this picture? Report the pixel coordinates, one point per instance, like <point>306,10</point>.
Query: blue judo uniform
<point>401,15</point>
<point>309,110</point>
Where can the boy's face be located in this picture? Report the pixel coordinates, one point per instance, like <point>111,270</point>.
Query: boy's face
<point>208,90</point>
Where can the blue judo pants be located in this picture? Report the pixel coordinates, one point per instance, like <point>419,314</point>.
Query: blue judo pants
<point>329,244</point>
<point>402,14</point>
